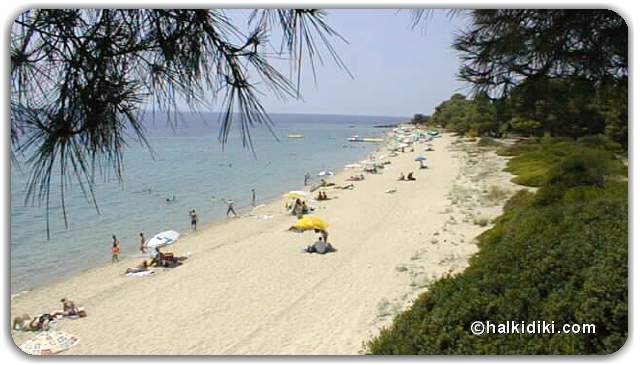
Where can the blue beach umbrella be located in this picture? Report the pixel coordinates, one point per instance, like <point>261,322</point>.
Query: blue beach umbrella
<point>421,159</point>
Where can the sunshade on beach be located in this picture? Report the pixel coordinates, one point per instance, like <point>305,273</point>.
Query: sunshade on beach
<point>325,173</point>
<point>421,158</point>
<point>309,223</point>
<point>162,239</point>
<point>49,343</point>
<point>296,194</point>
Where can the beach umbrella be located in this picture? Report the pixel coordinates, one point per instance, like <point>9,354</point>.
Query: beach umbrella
<point>309,223</point>
<point>325,173</point>
<point>296,194</point>
<point>352,166</point>
<point>49,343</point>
<point>421,159</point>
<point>162,239</point>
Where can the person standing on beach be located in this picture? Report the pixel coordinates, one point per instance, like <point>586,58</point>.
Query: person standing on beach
<point>142,243</point>
<point>194,220</point>
<point>230,208</point>
<point>307,177</point>
<point>115,250</point>
<point>253,197</point>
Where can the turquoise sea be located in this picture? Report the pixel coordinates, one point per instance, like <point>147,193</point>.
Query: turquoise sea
<point>187,162</point>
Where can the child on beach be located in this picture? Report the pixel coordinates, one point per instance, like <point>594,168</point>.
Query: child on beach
<point>115,250</point>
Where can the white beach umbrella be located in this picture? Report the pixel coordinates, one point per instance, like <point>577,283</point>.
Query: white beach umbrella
<point>162,239</point>
<point>325,173</point>
<point>352,166</point>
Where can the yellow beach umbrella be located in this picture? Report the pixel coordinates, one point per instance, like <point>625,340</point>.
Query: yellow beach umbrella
<point>309,223</point>
<point>295,194</point>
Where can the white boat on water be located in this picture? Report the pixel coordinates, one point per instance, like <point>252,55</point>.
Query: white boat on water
<point>356,138</point>
<point>295,136</point>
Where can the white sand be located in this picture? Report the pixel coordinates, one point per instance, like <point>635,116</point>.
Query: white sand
<point>247,288</point>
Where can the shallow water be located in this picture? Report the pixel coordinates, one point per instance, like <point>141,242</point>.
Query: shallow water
<point>189,164</point>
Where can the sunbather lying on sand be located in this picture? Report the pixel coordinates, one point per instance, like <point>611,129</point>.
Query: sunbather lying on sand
<point>410,177</point>
<point>356,178</point>
<point>26,323</point>
<point>324,183</point>
<point>345,187</point>
<point>144,266</point>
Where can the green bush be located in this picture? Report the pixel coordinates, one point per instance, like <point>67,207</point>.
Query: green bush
<point>563,261</point>
<point>488,142</point>
<point>534,159</point>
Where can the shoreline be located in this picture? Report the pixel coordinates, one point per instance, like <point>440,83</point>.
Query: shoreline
<point>231,251</point>
<point>243,210</point>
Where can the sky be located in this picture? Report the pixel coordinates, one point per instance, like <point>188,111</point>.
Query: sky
<point>397,70</point>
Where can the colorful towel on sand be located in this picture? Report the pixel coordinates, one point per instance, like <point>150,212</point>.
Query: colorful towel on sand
<point>49,343</point>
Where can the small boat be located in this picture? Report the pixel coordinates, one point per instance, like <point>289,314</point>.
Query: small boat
<point>295,136</point>
<point>365,139</point>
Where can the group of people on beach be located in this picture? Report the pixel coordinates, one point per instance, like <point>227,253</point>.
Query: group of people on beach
<point>300,208</point>
<point>409,177</point>
<point>322,196</point>
<point>115,246</point>
<point>158,259</point>
<point>41,322</point>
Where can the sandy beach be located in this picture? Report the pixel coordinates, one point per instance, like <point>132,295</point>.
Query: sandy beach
<point>247,288</point>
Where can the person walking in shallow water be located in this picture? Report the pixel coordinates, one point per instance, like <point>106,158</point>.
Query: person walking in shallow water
<point>142,243</point>
<point>307,177</point>
<point>115,250</point>
<point>230,208</point>
<point>253,197</point>
<point>194,219</point>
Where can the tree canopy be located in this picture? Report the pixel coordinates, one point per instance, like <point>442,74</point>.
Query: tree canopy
<point>79,78</point>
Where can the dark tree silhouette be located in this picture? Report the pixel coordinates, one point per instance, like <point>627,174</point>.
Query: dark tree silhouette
<point>80,77</point>
<point>504,47</point>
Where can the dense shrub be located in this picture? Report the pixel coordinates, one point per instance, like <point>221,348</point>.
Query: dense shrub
<point>564,260</point>
<point>534,160</point>
<point>488,142</point>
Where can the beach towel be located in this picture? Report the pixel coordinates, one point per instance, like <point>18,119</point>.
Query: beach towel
<point>49,343</point>
<point>141,273</point>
